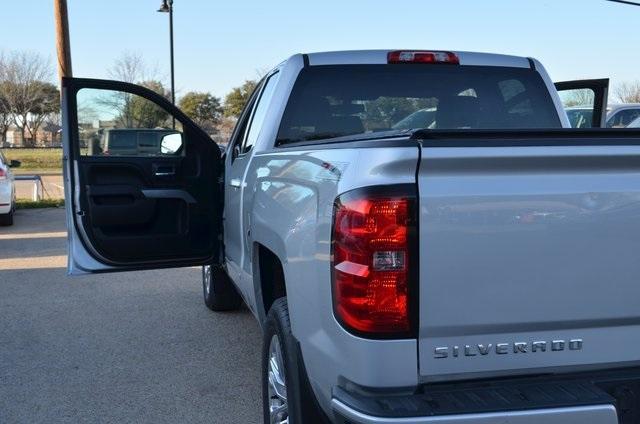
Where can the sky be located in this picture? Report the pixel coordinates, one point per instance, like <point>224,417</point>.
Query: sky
<point>219,44</point>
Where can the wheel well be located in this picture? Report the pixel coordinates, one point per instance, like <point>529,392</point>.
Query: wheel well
<point>271,277</point>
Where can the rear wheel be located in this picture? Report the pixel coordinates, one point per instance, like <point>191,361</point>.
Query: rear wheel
<point>286,395</point>
<point>219,292</point>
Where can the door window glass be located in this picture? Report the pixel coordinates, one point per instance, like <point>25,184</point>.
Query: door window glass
<point>579,105</point>
<point>116,123</point>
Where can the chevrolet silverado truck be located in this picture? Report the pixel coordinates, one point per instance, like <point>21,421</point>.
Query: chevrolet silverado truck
<point>482,267</point>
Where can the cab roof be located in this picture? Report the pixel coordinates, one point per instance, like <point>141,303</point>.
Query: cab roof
<point>372,57</point>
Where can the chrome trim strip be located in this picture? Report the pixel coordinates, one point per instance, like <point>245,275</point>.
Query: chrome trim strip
<point>597,414</point>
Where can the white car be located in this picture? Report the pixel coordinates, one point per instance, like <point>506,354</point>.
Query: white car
<point>7,190</point>
<point>635,123</point>
<point>622,114</point>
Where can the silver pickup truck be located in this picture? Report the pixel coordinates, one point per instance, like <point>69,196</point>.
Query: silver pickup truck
<point>481,266</point>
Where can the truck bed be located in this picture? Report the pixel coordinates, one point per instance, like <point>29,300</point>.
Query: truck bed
<point>529,252</point>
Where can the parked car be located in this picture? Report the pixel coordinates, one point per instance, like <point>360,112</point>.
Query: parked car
<point>635,123</point>
<point>132,142</point>
<point>621,115</point>
<point>484,270</point>
<point>7,190</point>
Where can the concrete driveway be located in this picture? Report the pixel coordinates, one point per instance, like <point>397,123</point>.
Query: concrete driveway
<point>132,347</point>
<point>52,188</point>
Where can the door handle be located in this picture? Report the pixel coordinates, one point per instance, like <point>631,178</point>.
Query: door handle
<point>236,183</point>
<point>162,170</point>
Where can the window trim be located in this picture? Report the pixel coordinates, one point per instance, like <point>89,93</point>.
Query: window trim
<point>263,87</point>
<point>237,137</point>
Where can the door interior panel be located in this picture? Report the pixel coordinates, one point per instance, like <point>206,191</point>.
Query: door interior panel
<point>126,223</point>
<point>141,210</point>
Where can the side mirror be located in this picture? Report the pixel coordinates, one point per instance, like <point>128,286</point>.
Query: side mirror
<point>15,164</point>
<point>170,144</point>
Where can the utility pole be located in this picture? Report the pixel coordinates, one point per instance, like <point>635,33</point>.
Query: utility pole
<point>62,38</point>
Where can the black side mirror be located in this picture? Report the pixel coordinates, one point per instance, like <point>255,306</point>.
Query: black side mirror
<point>15,164</point>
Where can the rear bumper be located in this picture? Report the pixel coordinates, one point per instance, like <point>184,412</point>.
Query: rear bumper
<point>5,197</point>
<point>597,414</point>
<point>604,397</point>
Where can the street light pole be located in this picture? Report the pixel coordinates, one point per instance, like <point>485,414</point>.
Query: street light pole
<point>167,7</point>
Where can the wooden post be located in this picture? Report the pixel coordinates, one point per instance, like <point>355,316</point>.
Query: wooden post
<point>62,38</point>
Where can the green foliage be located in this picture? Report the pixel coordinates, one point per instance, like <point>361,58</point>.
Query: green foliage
<point>44,203</point>
<point>35,159</point>
<point>234,101</point>
<point>136,111</point>
<point>145,113</point>
<point>49,99</point>
<point>203,108</point>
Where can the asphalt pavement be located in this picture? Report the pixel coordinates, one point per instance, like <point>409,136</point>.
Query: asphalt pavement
<point>113,348</point>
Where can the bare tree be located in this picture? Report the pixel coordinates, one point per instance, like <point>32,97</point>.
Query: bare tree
<point>52,124</point>
<point>582,97</point>
<point>5,117</point>
<point>628,92</point>
<point>5,111</point>
<point>132,68</point>
<point>129,67</point>
<point>49,103</point>
<point>132,110</point>
<point>23,75</point>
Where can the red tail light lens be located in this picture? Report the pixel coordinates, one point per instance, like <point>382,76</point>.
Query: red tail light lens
<point>412,56</point>
<point>372,257</point>
<point>3,174</point>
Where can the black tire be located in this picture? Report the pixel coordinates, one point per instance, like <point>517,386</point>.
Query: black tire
<point>301,404</point>
<point>218,290</point>
<point>6,219</point>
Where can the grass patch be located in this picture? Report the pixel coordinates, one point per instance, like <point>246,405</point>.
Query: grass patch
<point>44,203</point>
<point>46,160</point>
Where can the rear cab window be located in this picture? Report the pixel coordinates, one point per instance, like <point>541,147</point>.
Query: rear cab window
<point>343,100</point>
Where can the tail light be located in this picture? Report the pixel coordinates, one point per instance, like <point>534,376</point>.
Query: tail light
<point>374,263</point>
<point>3,174</point>
<point>412,56</point>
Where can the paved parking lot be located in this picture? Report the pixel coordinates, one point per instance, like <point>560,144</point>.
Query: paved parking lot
<point>134,347</point>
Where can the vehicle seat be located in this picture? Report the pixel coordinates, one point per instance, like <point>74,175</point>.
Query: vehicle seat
<point>458,112</point>
<point>301,122</point>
